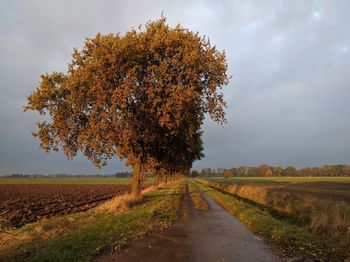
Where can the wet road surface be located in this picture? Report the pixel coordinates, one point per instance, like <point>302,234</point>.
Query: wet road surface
<point>212,235</point>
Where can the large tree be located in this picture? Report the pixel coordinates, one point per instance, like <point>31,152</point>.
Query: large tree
<point>123,94</point>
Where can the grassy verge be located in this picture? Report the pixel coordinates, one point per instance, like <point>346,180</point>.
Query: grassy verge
<point>285,238</point>
<point>81,236</point>
<point>324,216</point>
<point>199,203</point>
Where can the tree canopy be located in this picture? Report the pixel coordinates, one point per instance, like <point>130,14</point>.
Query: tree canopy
<point>137,96</point>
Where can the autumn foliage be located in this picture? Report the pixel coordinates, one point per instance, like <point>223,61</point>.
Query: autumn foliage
<point>141,97</point>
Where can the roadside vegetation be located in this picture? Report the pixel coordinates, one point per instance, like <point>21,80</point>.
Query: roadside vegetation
<point>81,236</point>
<point>287,238</point>
<point>199,203</point>
<point>318,206</point>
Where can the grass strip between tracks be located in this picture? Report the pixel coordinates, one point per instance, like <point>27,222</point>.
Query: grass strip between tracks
<point>197,199</point>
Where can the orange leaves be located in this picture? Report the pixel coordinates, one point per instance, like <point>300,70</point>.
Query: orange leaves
<point>139,96</point>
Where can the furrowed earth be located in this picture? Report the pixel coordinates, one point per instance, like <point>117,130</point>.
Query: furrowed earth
<point>26,203</point>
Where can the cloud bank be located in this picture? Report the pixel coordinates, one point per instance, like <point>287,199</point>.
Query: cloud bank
<point>288,100</point>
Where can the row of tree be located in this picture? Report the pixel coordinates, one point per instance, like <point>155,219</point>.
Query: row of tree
<point>141,97</point>
<point>275,171</point>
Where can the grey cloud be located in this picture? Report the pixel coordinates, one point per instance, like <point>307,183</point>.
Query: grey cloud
<point>288,98</point>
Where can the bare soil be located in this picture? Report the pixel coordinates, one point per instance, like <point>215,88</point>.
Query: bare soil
<point>213,235</point>
<point>25,203</point>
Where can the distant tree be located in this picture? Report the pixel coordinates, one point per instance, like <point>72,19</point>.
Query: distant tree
<point>346,170</point>
<point>122,174</point>
<point>206,172</point>
<point>268,173</point>
<point>242,171</point>
<point>194,173</point>
<point>220,171</point>
<point>305,172</point>
<point>253,172</point>
<point>234,171</point>
<point>277,170</point>
<point>338,170</point>
<point>289,171</point>
<point>124,95</point>
<point>264,170</point>
<point>227,174</point>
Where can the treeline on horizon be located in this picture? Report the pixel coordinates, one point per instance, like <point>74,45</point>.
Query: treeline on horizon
<point>242,171</point>
<point>274,171</point>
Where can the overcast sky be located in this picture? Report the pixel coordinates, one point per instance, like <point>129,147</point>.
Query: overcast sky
<point>288,100</point>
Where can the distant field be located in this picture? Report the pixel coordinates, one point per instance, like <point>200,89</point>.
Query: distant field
<point>321,204</point>
<point>337,188</point>
<point>279,180</point>
<point>69,180</point>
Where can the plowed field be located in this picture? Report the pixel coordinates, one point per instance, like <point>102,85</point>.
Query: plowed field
<point>21,204</point>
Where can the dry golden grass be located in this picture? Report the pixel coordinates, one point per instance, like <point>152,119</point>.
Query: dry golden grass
<point>119,204</point>
<point>122,203</point>
<point>322,216</point>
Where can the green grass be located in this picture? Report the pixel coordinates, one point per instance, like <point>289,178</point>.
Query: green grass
<point>92,232</point>
<point>286,238</point>
<point>70,180</point>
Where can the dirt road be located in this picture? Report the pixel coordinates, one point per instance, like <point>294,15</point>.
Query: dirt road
<point>213,235</point>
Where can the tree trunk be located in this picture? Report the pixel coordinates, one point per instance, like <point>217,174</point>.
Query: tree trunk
<point>156,179</point>
<point>171,176</point>
<point>166,178</point>
<point>136,180</point>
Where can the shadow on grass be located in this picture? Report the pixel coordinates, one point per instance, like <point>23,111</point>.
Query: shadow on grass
<point>156,196</point>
